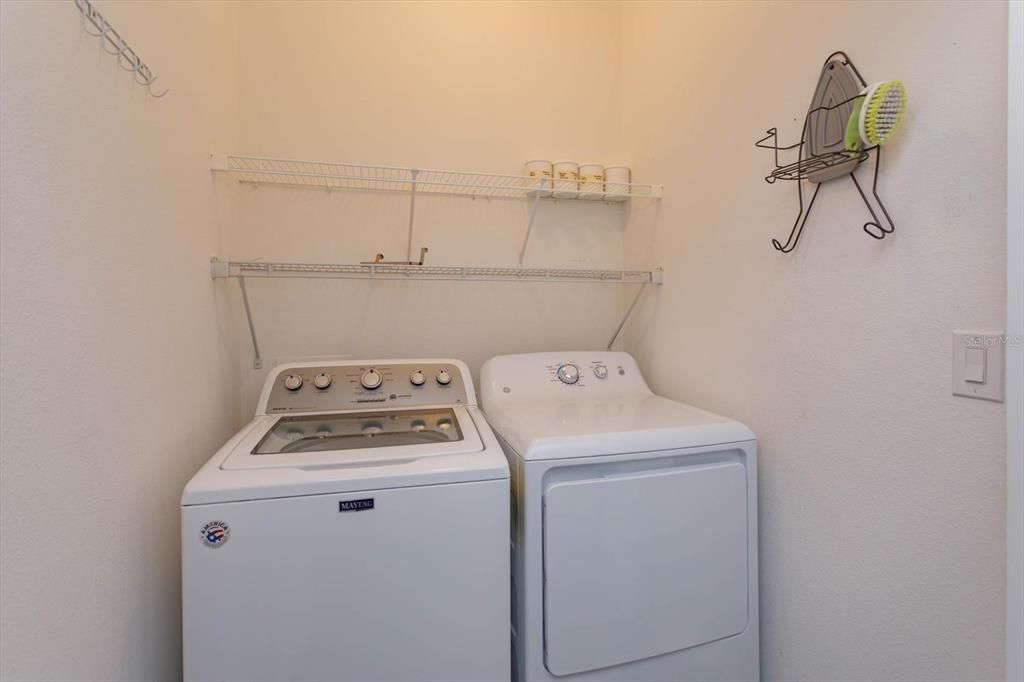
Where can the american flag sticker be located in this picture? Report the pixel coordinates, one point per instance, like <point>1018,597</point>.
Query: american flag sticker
<point>215,533</point>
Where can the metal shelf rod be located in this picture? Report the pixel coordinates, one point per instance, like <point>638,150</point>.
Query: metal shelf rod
<point>529,226</point>
<point>618,330</point>
<point>257,360</point>
<point>412,217</point>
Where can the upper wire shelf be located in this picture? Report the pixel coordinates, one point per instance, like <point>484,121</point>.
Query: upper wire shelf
<point>331,175</point>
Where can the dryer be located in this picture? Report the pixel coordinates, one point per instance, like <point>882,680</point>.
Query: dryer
<point>634,524</point>
<point>355,529</point>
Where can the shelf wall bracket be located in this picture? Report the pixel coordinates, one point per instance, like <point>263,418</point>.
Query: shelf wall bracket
<point>257,360</point>
<point>529,222</point>
<point>219,162</point>
<point>656,279</point>
<point>412,214</point>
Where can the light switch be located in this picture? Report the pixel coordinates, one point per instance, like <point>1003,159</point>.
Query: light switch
<point>978,361</point>
<point>975,360</point>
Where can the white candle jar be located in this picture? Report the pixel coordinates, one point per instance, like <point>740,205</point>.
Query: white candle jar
<point>616,183</point>
<point>539,171</point>
<point>567,180</point>
<point>591,181</point>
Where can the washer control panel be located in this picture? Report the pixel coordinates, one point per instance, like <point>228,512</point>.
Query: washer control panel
<point>367,386</point>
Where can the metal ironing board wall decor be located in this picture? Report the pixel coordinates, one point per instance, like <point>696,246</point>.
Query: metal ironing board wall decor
<point>847,123</point>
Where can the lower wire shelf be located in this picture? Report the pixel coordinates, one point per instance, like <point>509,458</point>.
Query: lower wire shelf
<point>223,269</point>
<point>242,270</point>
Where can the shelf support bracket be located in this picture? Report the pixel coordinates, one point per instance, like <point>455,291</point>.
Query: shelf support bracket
<point>625,318</point>
<point>529,223</point>
<point>257,360</point>
<point>412,213</point>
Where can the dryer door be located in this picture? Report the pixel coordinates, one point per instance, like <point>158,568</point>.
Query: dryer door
<point>644,563</point>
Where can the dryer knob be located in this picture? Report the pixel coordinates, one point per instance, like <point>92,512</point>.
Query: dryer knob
<point>371,379</point>
<point>444,377</point>
<point>322,380</point>
<point>293,382</point>
<point>417,378</point>
<point>569,373</point>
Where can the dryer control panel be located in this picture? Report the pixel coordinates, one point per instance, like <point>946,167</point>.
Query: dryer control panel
<point>559,374</point>
<point>364,384</point>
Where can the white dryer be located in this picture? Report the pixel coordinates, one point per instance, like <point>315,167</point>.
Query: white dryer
<point>634,524</point>
<point>356,529</point>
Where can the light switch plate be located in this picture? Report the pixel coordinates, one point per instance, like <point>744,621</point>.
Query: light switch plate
<point>977,361</point>
<point>974,351</point>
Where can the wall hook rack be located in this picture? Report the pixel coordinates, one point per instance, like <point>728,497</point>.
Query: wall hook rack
<point>127,58</point>
<point>832,143</point>
<point>403,271</point>
<point>379,259</point>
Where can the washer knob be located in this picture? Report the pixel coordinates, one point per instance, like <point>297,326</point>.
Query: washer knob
<point>293,382</point>
<point>371,379</point>
<point>322,380</point>
<point>569,373</point>
<point>601,372</point>
<point>444,377</point>
<point>417,378</point>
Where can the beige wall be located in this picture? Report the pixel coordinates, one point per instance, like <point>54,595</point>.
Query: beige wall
<point>882,496</point>
<point>472,86</point>
<point>116,371</point>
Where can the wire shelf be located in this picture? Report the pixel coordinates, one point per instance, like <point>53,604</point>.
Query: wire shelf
<point>222,269</point>
<point>330,175</point>
<point>243,270</point>
<point>806,168</point>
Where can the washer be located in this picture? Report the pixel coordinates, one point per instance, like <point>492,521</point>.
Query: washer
<point>634,524</point>
<point>356,529</point>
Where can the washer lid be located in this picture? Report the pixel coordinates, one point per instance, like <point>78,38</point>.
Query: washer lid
<point>235,474</point>
<point>560,429</point>
<point>353,438</point>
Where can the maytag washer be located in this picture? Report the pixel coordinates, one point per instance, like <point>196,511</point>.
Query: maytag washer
<point>634,524</point>
<point>356,529</point>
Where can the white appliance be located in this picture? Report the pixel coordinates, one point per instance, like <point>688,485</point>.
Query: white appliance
<point>634,524</point>
<point>356,529</point>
